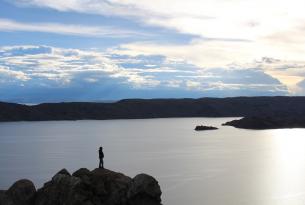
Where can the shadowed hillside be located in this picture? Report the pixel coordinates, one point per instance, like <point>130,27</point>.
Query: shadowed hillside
<point>156,108</point>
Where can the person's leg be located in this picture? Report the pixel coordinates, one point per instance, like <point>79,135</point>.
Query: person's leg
<point>99,166</point>
<point>102,163</point>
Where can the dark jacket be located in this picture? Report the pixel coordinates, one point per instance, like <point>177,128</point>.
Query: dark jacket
<point>101,154</point>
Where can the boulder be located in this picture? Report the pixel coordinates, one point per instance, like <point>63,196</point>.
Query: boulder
<point>59,190</point>
<point>110,186</point>
<point>21,192</point>
<point>144,189</point>
<point>81,173</point>
<point>64,172</point>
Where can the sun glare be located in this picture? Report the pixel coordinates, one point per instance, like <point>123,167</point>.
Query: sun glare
<point>287,166</point>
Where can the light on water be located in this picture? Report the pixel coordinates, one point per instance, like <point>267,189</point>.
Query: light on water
<point>288,165</point>
<point>226,166</point>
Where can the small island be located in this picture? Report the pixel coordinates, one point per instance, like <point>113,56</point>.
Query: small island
<point>84,187</point>
<point>202,128</point>
<point>268,122</point>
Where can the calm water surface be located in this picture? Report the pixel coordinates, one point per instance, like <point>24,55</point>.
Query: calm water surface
<point>227,166</point>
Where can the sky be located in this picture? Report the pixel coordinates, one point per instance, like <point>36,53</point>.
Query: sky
<point>96,50</point>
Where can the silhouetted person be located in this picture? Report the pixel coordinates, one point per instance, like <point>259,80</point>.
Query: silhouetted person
<point>101,156</point>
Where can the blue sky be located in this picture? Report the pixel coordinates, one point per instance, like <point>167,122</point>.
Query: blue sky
<point>90,50</point>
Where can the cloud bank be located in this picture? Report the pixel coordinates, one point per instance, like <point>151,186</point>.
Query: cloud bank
<point>44,74</point>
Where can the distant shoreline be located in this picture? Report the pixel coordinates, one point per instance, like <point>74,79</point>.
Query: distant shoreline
<point>154,108</point>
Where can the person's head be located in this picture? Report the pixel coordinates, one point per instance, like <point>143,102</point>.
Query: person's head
<point>101,148</point>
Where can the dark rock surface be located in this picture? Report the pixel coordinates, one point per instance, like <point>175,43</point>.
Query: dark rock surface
<point>84,187</point>
<point>144,189</point>
<point>21,192</point>
<point>267,122</point>
<point>155,108</point>
<point>202,128</point>
<point>81,173</point>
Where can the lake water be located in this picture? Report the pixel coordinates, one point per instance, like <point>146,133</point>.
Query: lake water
<point>227,166</point>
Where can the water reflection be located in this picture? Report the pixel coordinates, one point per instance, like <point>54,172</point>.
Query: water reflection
<point>287,168</point>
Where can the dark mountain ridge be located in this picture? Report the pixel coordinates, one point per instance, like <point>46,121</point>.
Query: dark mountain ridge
<point>155,108</point>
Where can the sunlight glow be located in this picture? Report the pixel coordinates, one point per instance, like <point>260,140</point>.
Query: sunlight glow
<point>285,172</point>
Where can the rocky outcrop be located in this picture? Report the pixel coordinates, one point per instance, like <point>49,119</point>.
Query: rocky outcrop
<point>84,187</point>
<point>202,128</point>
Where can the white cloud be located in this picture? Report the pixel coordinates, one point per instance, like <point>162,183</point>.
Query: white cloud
<point>63,66</point>
<point>179,74</point>
<point>66,29</point>
<point>7,74</point>
<point>201,53</point>
<point>193,84</point>
<point>173,83</point>
<point>291,73</point>
<point>229,55</point>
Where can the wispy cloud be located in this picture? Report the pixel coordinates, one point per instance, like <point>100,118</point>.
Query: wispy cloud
<point>67,29</point>
<point>102,7</point>
<point>216,19</point>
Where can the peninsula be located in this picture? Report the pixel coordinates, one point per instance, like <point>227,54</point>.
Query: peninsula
<point>268,122</point>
